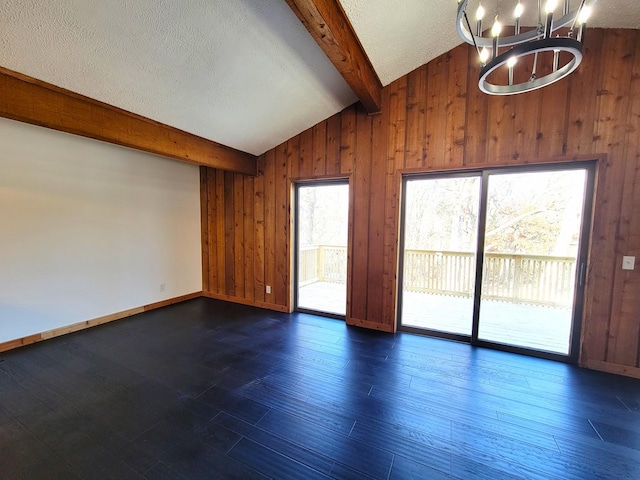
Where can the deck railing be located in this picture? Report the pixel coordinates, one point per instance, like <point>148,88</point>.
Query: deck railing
<point>322,263</point>
<point>533,279</point>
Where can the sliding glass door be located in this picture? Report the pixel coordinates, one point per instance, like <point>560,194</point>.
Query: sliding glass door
<point>440,236</point>
<point>531,243</point>
<point>322,225</point>
<point>497,257</point>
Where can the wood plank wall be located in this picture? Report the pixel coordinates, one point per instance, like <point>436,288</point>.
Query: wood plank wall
<point>435,119</point>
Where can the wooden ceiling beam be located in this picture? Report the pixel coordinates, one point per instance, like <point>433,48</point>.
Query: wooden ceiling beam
<point>328,24</point>
<point>29,100</point>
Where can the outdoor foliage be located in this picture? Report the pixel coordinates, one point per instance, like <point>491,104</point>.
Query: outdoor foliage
<point>533,213</point>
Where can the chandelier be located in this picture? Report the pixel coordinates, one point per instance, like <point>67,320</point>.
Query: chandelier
<point>544,53</point>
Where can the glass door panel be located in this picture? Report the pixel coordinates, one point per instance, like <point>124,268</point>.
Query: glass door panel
<point>531,245</point>
<point>439,260</point>
<point>322,224</point>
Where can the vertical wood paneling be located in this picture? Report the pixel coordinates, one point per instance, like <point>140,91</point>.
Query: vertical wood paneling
<point>347,160</point>
<point>624,346</point>
<point>583,91</point>
<point>229,234</point>
<point>320,149</point>
<point>500,120</point>
<point>435,119</point>
<point>610,129</point>
<point>212,237</point>
<point>270,223</point>
<point>205,222</point>
<point>305,163</point>
<point>333,145</point>
<point>249,234</point>
<point>293,156</point>
<point>362,192</point>
<point>456,108</point>
<point>221,271</point>
<point>437,102</point>
<point>259,249</point>
<point>526,122</point>
<point>416,121</point>
<point>348,140</point>
<point>376,216</point>
<point>238,231</point>
<point>476,143</point>
<point>281,257</point>
<point>395,161</point>
<point>552,131</point>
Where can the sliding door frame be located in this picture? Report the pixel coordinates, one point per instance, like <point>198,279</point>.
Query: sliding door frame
<point>318,182</point>
<point>431,176</point>
<point>590,167</point>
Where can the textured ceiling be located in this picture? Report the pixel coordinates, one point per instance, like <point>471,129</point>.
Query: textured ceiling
<point>401,35</point>
<point>244,73</point>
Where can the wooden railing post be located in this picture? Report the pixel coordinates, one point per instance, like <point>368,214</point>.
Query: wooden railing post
<point>320,273</point>
<point>517,277</point>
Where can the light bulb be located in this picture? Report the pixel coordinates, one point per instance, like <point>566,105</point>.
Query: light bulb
<point>551,6</point>
<point>484,55</point>
<point>512,62</point>
<point>584,15</point>
<point>497,27</point>
<point>480,12</point>
<point>518,11</point>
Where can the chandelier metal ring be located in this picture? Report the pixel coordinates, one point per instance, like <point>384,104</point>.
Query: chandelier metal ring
<point>561,44</point>
<point>496,51</point>
<point>511,40</point>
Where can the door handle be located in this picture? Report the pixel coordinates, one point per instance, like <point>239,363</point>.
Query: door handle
<point>583,273</point>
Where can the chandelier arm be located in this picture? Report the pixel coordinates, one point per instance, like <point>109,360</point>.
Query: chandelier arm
<point>575,21</point>
<point>539,12</point>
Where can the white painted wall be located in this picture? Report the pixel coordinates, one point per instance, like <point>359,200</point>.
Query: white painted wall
<point>88,229</point>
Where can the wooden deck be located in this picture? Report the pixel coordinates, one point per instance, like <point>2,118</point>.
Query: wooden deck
<point>530,326</point>
<point>324,297</point>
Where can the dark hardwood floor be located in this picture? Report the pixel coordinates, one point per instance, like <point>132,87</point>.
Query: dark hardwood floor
<point>207,389</point>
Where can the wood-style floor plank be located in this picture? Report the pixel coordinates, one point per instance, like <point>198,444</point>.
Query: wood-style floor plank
<point>208,389</point>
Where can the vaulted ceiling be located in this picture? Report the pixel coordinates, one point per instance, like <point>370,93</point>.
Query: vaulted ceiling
<point>244,73</point>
